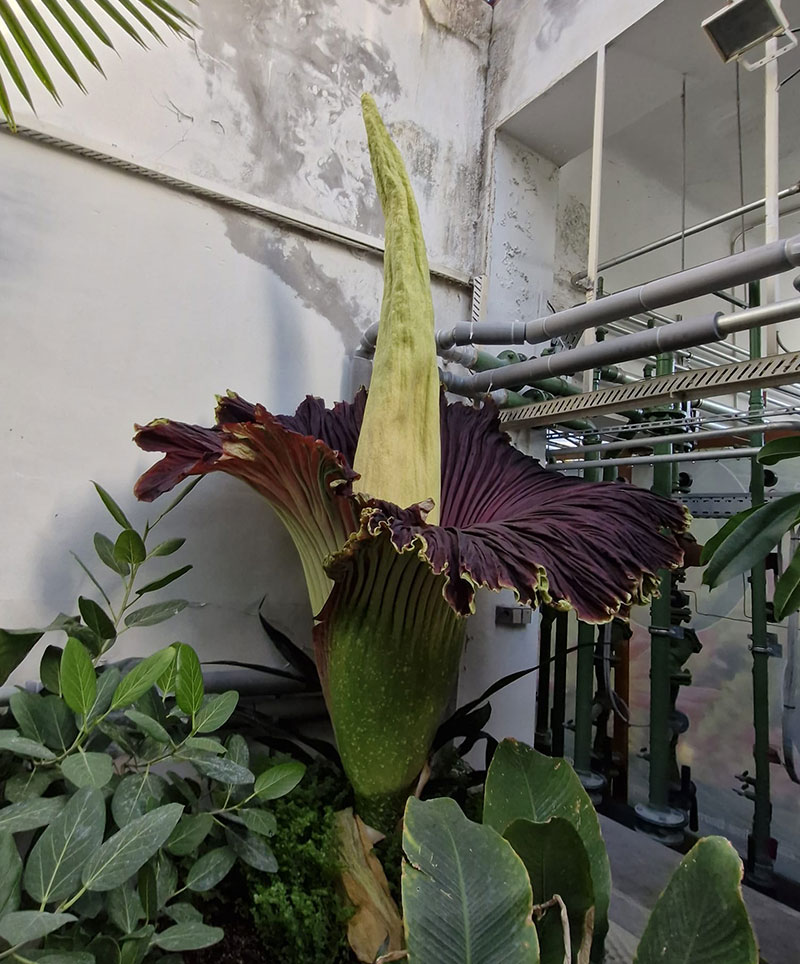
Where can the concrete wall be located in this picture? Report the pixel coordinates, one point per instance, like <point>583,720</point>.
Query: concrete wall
<point>125,300</point>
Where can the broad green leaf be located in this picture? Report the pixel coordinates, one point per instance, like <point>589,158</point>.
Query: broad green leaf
<point>184,788</point>
<point>226,771</point>
<point>525,785</point>
<point>129,548</point>
<point>189,680</point>
<point>22,926</point>
<point>722,534</point>
<point>166,877</point>
<point>157,613</point>
<point>210,869</point>
<point>78,680</point>
<point>128,849</point>
<point>28,785</point>
<point>253,850</point>
<point>104,949</point>
<point>147,886</point>
<point>752,539</point>
<point>181,913</point>
<point>10,878</point>
<point>466,894</point>
<point>191,831</point>
<point>53,868</point>
<point>189,936</point>
<point>137,794</point>
<point>167,547</point>
<point>50,669</point>
<point>787,589</point>
<point>88,906</point>
<point>279,780</point>
<point>142,677</point>
<point>134,950</point>
<point>259,821</point>
<point>148,725</point>
<point>125,908</point>
<point>45,719</point>
<point>88,769</point>
<point>779,449</point>
<point>60,957</point>
<point>700,918</point>
<point>96,618</point>
<point>116,513</point>
<point>104,548</point>
<point>205,744</point>
<point>557,863</point>
<point>107,682</point>
<point>15,644</point>
<point>166,682</point>
<point>163,581</point>
<point>236,746</point>
<point>215,711</point>
<point>30,814</point>
<point>21,746</point>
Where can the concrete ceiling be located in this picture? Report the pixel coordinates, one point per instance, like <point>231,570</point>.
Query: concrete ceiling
<point>645,67</point>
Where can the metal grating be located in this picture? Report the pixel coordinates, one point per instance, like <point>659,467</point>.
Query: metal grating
<point>685,386</point>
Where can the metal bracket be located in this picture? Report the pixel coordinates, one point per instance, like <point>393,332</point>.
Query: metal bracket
<point>772,647</point>
<point>512,615</point>
<point>725,505</point>
<point>671,632</point>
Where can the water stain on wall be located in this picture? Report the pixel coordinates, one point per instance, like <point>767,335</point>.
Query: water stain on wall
<point>470,22</point>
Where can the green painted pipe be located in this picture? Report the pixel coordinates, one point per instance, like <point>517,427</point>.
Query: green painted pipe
<point>761,868</point>
<point>584,670</point>
<point>660,621</point>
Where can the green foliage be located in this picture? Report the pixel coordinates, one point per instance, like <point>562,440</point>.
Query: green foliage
<point>101,854</point>
<point>298,911</point>
<point>80,28</point>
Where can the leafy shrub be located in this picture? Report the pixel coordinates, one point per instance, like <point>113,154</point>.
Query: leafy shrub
<point>103,846</point>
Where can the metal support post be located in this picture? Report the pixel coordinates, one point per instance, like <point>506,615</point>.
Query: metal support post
<point>559,685</point>
<point>542,738</point>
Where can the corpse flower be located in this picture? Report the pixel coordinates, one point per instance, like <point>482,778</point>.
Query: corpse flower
<point>402,505</point>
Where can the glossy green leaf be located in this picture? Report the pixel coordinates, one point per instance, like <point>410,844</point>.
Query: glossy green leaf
<point>15,644</point>
<point>182,912</point>
<point>30,814</point>
<point>722,534</point>
<point>127,850</point>
<point>53,867</point>
<point>779,449</point>
<point>129,548</point>
<point>12,67</point>
<point>50,669</point>
<point>166,877</point>
<point>48,38</point>
<point>157,613</point>
<point>45,719</point>
<point>116,513</point>
<point>96,618</point>
<point>557,863</point>
<point>523,784</point>
<point>466,894</point>
<point>226,771</point>
<point>11,862</point>
<point>88,769</point>
<point>29,52</point>
<point>142,677</point>
<point>22,926</point>
<point>700,918</point>
<point>787,589</point>
<point>107,683</point>
<point>103,948</point>
<point>134,950</point>
<point>147,888</point>
<point>752,539</point>
<point>210,869</point>
<point>78,680</point>
<point>253,850</point>
<point>21,746</point>
<point>72,31</point>
<point>148,725</point>
<point>189,689</point>
<point>279,780</point>
<point>167,547</point>
<point>136,794</point>
<point>205,744</point>
<point>166,682</point>
<point>238,751</point>
<point>189,936</point>
<point>191,831</point>
<point>104,548</point>
<point>164,580</point>
<point>124,907</point>
<point>259,821</point>
<point>216,711</point>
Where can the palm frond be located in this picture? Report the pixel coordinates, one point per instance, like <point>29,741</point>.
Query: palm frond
<point>81,28</point>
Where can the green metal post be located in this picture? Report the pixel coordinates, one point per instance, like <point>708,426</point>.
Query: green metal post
<point>584,680</point>
<point>559,685</point>
<point>760,870</point>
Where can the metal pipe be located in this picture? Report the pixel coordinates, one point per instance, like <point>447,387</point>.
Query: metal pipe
<point>704,455</point>
<point>597,172</point>
<point>771,173</point>
<point>781,425</point>
<point>698,228</point>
